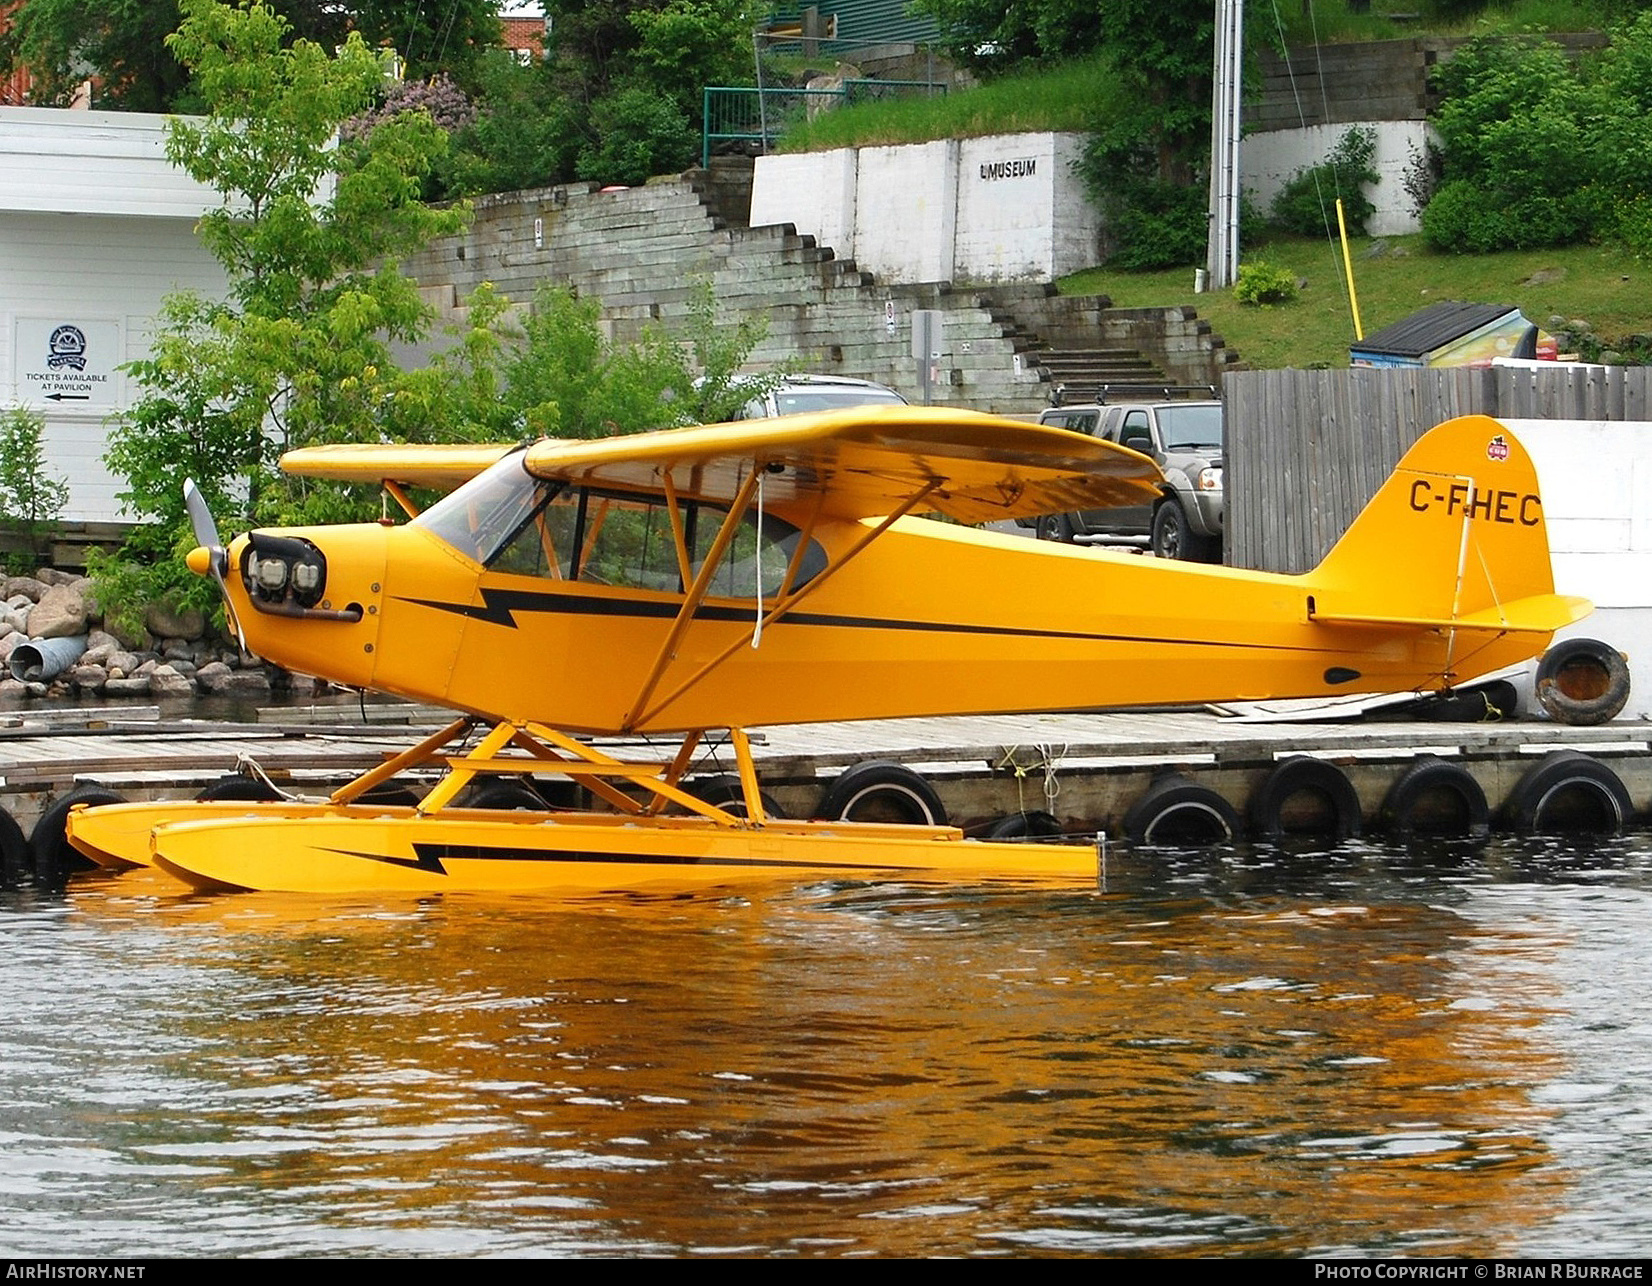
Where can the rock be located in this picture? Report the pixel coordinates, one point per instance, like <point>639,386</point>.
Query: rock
<point>52,576</point>
<point>10,689</point>
<point>122,664</point>
<point>29,587</point>
<point>60,613</point>
<point>167,621</point>
<point>124,687</point>
<point>135,639</point>
<point>244,683</point>
<point>1377,249</point>
<point>303,685</point>
<point>164,681</point>
<point>100,646</point>
<point>88,678</point>
<point>1543,276</point>
<point>33,689</point>
<point>10,643</point>
<point>213,676</point>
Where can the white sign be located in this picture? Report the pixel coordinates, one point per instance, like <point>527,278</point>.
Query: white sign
<point>68,362</point>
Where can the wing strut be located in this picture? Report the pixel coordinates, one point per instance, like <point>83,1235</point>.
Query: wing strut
<point>702,582</point>
<point>783,604</point>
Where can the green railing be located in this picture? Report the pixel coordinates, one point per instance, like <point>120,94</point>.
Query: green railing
<point>748,115</point>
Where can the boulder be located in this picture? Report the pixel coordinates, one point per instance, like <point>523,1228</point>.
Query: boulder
<point>29,587</point>
<point>167,621</point>
<point>60,614</point>
<point>88,678</point>
<point>123,686</point>
<point>164,681</point>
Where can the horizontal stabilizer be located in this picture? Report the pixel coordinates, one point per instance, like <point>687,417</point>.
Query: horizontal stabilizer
<point>1538,614</point>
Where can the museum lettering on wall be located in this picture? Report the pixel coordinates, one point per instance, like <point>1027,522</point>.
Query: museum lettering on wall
<point>1022,167</point>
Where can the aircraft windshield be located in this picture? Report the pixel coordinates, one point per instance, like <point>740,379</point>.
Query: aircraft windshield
<point>487,511</point>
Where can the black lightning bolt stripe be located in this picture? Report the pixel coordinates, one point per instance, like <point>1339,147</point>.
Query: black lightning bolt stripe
<point>499,607</point>
<point>431,856</point>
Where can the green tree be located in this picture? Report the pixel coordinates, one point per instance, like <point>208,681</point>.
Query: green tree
<point>308,235</point>
<point>30,497</point>
<point>123,43</point>
<point>566,380</point>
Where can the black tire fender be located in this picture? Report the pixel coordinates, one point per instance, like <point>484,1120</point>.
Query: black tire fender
<point>1582,682</point>
<point>1176,811</point>
<point>54,857</point>
<point>501,794</point>
<point>238,786</point>
<point>14,851</point>
<point>1413,802</point>
<point>726,791</point>
<point>1567,786</point>
<point>1338,815</point>
<point>881,790</point>
<point>1026,825</point>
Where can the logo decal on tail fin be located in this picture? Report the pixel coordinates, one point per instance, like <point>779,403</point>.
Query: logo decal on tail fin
<point>1497,448</point>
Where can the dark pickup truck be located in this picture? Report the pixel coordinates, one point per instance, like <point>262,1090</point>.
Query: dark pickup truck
<point>1185,440</point>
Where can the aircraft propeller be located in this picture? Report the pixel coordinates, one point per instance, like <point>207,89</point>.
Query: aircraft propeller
<point>209,556</point>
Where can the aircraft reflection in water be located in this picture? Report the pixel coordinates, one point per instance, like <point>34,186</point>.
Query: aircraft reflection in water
<point>772,572</point>
<point>825,1071</point>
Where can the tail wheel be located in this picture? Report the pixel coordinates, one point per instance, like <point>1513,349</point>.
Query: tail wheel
<point>880,790</point>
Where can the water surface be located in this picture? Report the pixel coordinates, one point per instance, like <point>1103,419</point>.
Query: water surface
<point>1235,1053</point>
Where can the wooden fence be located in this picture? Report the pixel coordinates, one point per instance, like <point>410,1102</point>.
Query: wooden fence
<point>1307,449</point>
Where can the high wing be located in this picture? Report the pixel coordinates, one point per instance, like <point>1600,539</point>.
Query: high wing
<point>442,467</point>
<point>868,461</point>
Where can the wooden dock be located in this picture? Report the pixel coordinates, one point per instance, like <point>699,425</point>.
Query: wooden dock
<point>1085,769</point>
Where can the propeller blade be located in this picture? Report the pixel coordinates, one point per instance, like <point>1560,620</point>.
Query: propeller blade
<point>200,517</point>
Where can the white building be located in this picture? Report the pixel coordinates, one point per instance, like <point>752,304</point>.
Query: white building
<point>96,228</point>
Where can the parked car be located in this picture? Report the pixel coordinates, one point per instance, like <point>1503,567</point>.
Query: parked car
<point>798,393</point>
<point>1185,440</point>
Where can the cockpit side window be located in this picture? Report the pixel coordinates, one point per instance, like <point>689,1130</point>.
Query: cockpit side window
<point>518,525</point>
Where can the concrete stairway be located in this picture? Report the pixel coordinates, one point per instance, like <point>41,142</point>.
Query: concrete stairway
<point>640,250</point>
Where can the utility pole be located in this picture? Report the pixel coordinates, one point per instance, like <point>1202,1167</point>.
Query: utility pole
<point>1222,250</point>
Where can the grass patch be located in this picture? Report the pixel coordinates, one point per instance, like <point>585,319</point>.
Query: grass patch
<point>1076,96</point>
<point>1605,286</point>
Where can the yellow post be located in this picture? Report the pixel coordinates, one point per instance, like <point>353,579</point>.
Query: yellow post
<point>1348,268</point>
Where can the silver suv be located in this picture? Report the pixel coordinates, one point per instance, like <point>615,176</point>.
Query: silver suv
<point>1185,440</point>
<point>797,393</point>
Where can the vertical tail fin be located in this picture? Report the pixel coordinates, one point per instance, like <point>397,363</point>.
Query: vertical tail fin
<point>1456,537</point>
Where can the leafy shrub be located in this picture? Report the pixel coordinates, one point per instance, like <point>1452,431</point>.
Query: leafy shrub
<point>1158,225</point>
<point>638,134</point>
<point>1464,217</point>
<point>1306,204</point>
<point>1262,283</point>
<point>29,496</point>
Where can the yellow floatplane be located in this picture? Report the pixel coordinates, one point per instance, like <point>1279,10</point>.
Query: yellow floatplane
<point>779,571</point>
